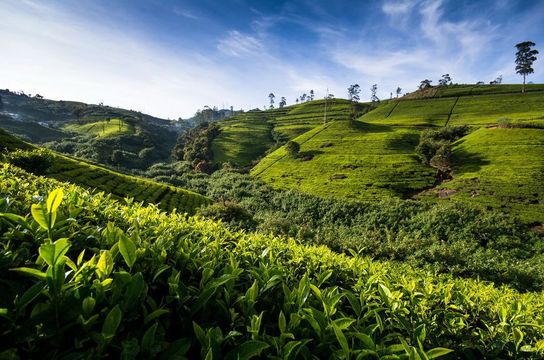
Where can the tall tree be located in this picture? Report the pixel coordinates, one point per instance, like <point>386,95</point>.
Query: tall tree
<point>271,96</point>
<point>525,56</point>
<point>296,101</point>
<point>283,102</point>
<point>353,96</point>
<point>311,95</point>
<point>303,97</point>
<point>353,92</point>
<point>445,80</point>
<point>373,91</point>
<point>399,91</point>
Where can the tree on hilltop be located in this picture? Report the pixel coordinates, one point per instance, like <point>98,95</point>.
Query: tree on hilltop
<point>425,84</point>
<point>271,96</point>
<point>373,91</point>
<point>399,91</point>
<point>283,102</point>
<point>311,95</point>
<point>498,80</point>
<point>353,96</point>
<point>445,80</point>
<point>525,56</point>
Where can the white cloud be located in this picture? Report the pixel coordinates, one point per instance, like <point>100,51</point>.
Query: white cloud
<point>398,8</point>
<point>238,44</point>
<point>49,51</point>
<point>185,13</point>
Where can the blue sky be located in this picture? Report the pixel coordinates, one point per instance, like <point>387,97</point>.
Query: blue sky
<point>170,58</point>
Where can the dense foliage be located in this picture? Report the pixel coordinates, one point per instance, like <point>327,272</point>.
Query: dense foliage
<point>456,238</point>
<point>86,277</point>
<point>194,145</point>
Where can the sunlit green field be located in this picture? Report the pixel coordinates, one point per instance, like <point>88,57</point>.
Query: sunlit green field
<point>350,160</point>
<point>499,168</point>
<point>246,137</point>
<point>102,128</point>
<point>374,157</point>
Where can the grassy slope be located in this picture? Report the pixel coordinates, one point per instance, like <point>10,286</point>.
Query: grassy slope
<point>380,146</point>
<point>500,168</point>
<point>90,175</point>
<point>32,131</point>
<point>102,128</point>
<point>243,138</point>
<point>246,137</point>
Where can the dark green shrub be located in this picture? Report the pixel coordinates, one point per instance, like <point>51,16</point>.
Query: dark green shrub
<point>34,161</point>
<point>292,148</point>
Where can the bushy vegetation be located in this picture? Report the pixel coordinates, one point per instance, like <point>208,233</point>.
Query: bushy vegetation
<point>436,143</point>
<point>86,277</point>
<point>455,238</point>
<point>60,167</point>
<point>194,146</point>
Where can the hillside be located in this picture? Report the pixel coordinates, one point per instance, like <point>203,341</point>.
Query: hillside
<point>89,131</point>
<point>101,277</point>
<point>246,137</point>
<point>94,176</point>
<point>374,156</point>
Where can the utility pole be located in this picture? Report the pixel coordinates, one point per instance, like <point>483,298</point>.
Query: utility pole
<point>326,100</point>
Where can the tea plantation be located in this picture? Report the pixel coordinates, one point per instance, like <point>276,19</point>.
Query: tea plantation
<point>374,155</point>
<point>499,168</point>
<point>245,137</point>
<point>85,276</point>
<point>94,176</point>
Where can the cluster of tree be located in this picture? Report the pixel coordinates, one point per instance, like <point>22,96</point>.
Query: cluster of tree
<point>210,114</point>
<point>282,103</point>
<point>434,148</point>
<point>445,80</point>
<point>305,97</point>
<point>194,146</point>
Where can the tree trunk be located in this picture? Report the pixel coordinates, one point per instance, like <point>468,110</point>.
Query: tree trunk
<point>523,87</point>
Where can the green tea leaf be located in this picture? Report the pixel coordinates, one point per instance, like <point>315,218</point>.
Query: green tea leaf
<point>113,319</point>
<point>32,272</point>
<point>128,250</point>
<point>248,350</point>
<point>438,352</point>
<point>54,199</point>
<point>155,314</point>
<point>40,215</point>
<point>341,339</point>
<point>149,338</point>
<point>53,253</point>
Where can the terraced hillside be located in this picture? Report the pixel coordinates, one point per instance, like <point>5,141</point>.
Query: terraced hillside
<point>374,156</point>
<point>65,168</point>
<point>246,137</point>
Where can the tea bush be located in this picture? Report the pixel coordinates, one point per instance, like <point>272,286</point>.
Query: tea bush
<point>88,277</point>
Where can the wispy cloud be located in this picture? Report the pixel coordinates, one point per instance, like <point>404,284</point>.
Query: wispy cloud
<point>185,13</point>
<point>238,44</point>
